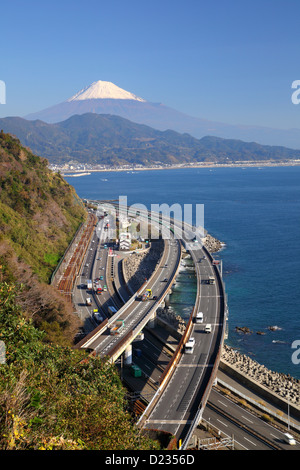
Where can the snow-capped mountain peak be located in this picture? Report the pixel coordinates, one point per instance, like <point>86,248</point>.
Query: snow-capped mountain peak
<point>104,90</point>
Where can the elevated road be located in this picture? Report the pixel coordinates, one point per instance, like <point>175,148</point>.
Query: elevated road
<point>136,313</point>
<point>186,382</point>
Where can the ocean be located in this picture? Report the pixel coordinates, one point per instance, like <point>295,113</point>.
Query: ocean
<point>256,213</point>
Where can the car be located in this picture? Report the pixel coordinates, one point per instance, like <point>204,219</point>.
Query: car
<point>289,439</point>
<point>208,328</point>
<point>189,346</point>
<point>101,278</point>
<point>165,280</point>
<point>199,317</point>
<point>154,297</point>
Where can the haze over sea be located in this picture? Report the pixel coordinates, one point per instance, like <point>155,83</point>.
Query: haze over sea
<point>256,213</point>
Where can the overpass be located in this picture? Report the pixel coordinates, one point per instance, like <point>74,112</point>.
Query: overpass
<point>179,402</point>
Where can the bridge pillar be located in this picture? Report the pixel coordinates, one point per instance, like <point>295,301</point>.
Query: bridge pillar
<point>152,321</point>
<point>128,355</point>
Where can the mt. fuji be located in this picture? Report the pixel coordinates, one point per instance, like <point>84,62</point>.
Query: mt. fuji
<point>103,97</point>
<point>103,90</point>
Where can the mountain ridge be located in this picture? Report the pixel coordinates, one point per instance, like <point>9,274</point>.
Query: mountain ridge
<point>113,141</point>
<point>162,117</point>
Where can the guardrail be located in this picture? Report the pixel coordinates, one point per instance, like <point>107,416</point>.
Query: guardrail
<point>141,324</point>
<point>216,362</point>
<point>176,358</point>
<point>97,332</point>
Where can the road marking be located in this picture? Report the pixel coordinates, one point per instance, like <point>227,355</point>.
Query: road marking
<point>222,403</point>
<point>251,442</point>
<point>247,419</point>
<point>224,424</point>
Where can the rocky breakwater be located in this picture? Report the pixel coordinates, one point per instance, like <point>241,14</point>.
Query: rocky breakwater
<point>212,244</point>
<point>175,322</point>
<point>280,384</point>
<point>139,266</point>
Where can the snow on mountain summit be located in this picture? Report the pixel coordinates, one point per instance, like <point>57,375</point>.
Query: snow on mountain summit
<point>104,90</point>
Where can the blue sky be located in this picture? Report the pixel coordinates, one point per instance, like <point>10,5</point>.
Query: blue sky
<point>226,60</point>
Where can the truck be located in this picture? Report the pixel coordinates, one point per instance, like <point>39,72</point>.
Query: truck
<point>116,327</point>
<point>147,295</point>
<point>211,280</point>
<point>98,288</point>
<point>112,310</point>
<point>88,301</point>
<point>89,284</point>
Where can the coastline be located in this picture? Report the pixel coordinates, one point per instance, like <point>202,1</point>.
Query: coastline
<point>247,164</point>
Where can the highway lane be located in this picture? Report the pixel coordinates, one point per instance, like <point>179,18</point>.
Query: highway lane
<point>238,419</point>
<point>180,400</point>
<point>153,359</point>
<point>93,267</point>
<point>138,309</point>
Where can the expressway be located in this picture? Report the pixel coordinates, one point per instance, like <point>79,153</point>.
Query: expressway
<point>178,403</point>
<point>186,386</point>
<point>134,313</point>
<point>250,432</point>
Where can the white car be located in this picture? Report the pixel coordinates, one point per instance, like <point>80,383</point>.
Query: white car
<point>191,342</point>
<point>199,317</point>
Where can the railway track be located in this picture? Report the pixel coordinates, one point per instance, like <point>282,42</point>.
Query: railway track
<point>66,283</point>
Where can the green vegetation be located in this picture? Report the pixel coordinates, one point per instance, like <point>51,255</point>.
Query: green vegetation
<point>53,397</point>
<point>39,215</point>
<point>39,211</point>
<point>112,140</point>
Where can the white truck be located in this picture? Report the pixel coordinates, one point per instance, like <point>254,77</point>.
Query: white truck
<point>89,284</point>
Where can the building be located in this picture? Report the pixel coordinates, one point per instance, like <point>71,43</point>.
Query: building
<point>125,241</point>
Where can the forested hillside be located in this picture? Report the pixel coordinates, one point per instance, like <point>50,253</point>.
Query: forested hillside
<point>51,396</point>
<point>113,141</point>
<point>39,215</point>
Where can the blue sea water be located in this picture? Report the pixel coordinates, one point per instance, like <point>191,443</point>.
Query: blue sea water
<point>256,213</point>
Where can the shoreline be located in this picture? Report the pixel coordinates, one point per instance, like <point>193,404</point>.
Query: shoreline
<point>247,164</point>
